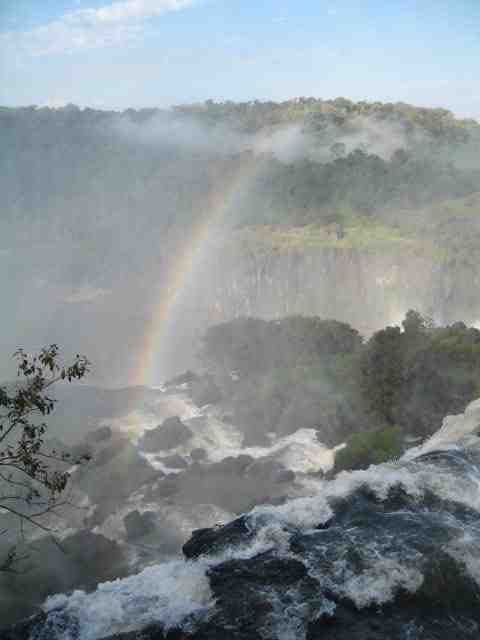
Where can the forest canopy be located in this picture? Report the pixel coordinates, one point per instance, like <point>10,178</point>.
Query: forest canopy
<point>299,372</point>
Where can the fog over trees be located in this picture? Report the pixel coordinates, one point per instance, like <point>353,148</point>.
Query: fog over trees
<point>99,203</point>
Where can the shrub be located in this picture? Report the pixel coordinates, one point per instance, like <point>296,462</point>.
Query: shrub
<point>369,447</point>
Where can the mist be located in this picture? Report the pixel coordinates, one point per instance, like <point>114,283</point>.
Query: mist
<point>175,130</point>
<point>91,235</point>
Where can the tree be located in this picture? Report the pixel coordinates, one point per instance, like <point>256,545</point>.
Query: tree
<point>381,374</point>
<point>32,478</point>
<point>414,323</point>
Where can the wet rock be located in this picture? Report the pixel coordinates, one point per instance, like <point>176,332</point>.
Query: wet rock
<point>229,484</point>
<point>80,561</point>
<point>234,465</point>
<point>174,462</point>
<point>82,451</point>
<point>380,564</point>
<point>400,621</point>
<point>284,476</point>
<point>264,569</point>
<point>102,456</point>
<point>204,391</point>
<point>170,434</point>
<point>240,586</point>
<point>167,487</point>
<point>275,501</point>
<point>266,470</point>
<point>99,435</point>
<point>25,629</point>
<point>139,524</point>
<point>184,378</point>
<point>211,541</point>
<point>198,454</point>
<point>108,485</point>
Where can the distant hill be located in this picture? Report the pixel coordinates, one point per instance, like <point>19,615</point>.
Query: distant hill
<point>97,205</point>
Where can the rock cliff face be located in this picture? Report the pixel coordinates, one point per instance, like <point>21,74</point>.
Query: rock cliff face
<point>368,289</point>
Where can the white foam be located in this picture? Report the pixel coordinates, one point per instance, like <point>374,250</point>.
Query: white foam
<point>170,592</point>
<point>304,513</point>
<point>300,452</point>
<point>466,550</point>
<point>414,478</point>
<point>379,583</point>
<point>179,520</point>
<point>454,430</point>
<point>166,593</point>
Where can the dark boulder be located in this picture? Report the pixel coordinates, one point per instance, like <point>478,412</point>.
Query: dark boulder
<point>214,540</point>
<point>165,488</point>
<point>204,391</point>
<point>110,449</point>
<point>25,629</point>
<point>233,465</point>
<point>109,484</point>
<point>174,462</point>
<point>139,524</point>
<point>99,435</point>
<point>183,378</point>
<point>170,434</point>
<point>239,588</point>
<point>284,475</point>
<point>266,470</point>
<point>198,454</point>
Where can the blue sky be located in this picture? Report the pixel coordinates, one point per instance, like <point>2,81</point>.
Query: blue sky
<point>137,53</point>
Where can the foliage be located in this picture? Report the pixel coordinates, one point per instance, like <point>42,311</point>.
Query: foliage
<point>289,373</point>
<point>318,192</point>
<point>359,233</point>
<point>252,345</point>
<point>306,372</point>
<point>79,157</point>
<point>381,373</point>
<point>415,377</point>
<point>369,447</point>
<point>319,113</point>
<point>32,478</point>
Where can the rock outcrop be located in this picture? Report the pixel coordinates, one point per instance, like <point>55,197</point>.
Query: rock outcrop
<point>170,434</point>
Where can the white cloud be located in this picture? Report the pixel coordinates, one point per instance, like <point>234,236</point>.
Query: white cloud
<point>113,24</point>
<point>130,10</point>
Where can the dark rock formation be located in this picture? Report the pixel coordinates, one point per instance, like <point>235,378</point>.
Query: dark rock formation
<point>106,480</point>
<point>139,524</point>
<point>212,541</point>
<point>198,454</point>
<point>82,560</point>
<point>175,462</point>
<point>100,435</point>
<point>204,391</point>
<point>170,434</point>
<point>183,378</point>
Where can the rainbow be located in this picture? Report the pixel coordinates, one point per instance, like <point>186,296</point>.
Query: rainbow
<point>182,269</point>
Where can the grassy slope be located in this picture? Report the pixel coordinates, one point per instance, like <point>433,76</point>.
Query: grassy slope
<point>428,230</point>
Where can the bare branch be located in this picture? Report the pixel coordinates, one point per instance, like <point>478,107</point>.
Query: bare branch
<point>30,519</point>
